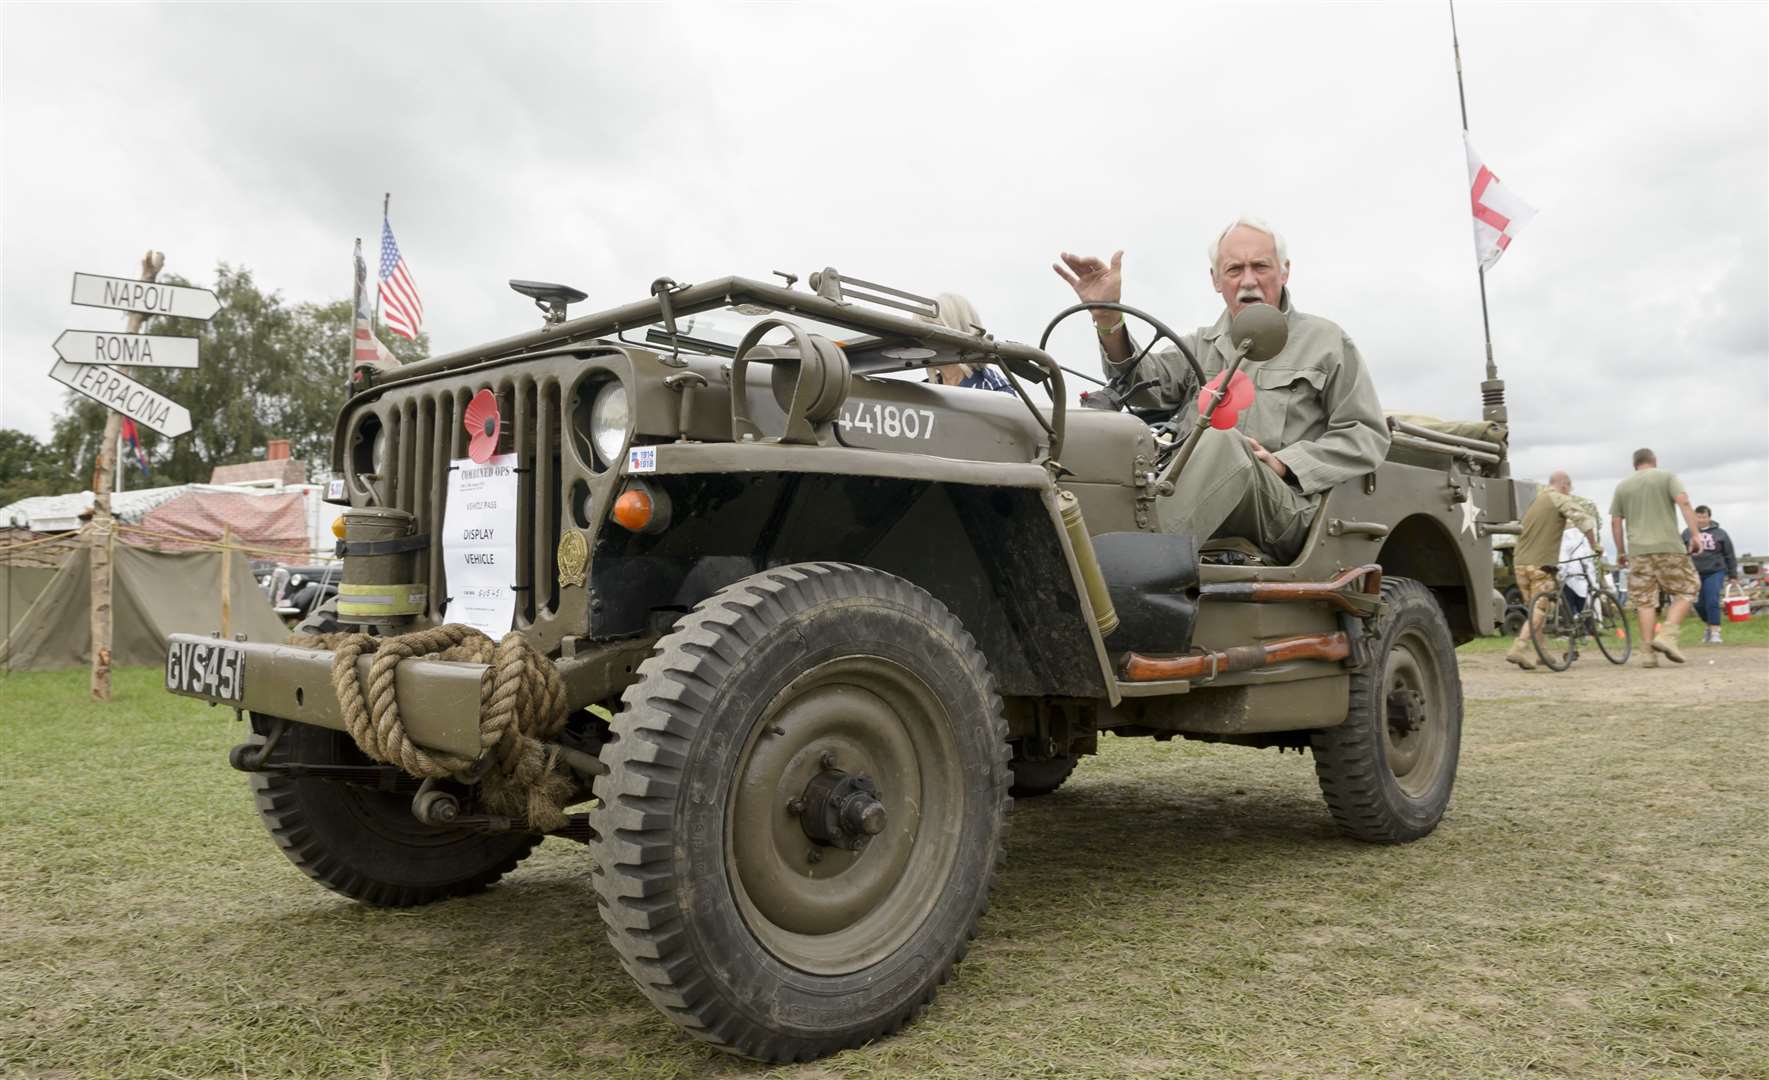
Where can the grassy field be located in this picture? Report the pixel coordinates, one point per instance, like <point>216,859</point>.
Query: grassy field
<point>1753,632</point>
<point>1593,905</point>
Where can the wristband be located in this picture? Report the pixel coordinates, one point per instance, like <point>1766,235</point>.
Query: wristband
<point>1109,330</point>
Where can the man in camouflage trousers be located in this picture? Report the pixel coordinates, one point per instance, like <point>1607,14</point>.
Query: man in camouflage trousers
<point>1654,552</point>
<point>1537,555</point>
<point>1315,420</point>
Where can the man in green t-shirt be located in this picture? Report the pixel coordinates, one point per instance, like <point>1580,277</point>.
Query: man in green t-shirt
<point>1654,552</point>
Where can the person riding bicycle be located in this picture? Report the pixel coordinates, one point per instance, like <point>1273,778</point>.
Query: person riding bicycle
<point>1580,568</point>
<point>1315,421</point>
<point>1537,555</point>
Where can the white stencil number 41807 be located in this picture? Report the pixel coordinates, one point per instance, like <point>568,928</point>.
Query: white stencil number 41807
<point>889,421</point>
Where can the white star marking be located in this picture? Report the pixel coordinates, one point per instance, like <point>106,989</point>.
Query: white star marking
<point>1469,513</point>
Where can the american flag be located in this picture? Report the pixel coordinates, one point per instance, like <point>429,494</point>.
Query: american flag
<point>400,305</point>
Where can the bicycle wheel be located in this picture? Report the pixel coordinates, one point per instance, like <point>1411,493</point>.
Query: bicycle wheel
<point>1609,626</point>
<point>1554,629</point>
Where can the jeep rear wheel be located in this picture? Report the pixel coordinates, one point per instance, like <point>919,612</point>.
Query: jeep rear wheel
<point>804,812</point>
<point>365,844</point>
<point>1387,771</point>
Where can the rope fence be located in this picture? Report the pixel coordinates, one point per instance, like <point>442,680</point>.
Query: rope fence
<point>215,545</point>
<point>73,539</point>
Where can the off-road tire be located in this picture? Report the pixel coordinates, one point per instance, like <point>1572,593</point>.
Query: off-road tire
<point>1034,778</point>
<point>723,695</point>
<point>366,844</point>
<point>1380,786</point>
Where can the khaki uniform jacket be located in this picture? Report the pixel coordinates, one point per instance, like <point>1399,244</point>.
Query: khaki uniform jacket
<point>1316,408</point>
<point>1538,543</point>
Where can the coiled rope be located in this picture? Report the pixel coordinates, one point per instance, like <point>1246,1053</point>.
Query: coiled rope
<point>521,704</point>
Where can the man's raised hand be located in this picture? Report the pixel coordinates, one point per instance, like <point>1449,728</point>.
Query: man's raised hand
<point>1093,280</point>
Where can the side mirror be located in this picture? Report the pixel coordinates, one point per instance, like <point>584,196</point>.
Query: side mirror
<point>1261,331</point>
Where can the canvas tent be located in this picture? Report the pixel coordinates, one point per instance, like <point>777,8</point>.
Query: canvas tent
<point>268,521</point>
<point>155,594</point>
<point>19,587</point>
<point>291,519</point>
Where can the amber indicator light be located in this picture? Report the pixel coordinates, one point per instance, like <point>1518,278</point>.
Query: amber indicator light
<point>633,509</point>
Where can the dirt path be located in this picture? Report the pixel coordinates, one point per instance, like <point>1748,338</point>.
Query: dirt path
<point>1712,676</point>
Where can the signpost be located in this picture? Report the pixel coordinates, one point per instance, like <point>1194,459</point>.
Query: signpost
<point>145,296</point>
<point>129,350</point>
<point>84,367</point>
<point>124,395</point>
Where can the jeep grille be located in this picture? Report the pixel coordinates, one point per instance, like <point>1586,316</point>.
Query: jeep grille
<point>425,432</point>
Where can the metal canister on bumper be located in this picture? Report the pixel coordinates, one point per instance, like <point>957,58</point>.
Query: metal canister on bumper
<point>380,586</point>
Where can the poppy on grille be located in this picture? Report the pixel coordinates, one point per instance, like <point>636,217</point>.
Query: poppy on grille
<point>483,426</point>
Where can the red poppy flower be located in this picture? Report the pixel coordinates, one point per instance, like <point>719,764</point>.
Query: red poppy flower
<point>1240,395</point>
<point>483,425</point>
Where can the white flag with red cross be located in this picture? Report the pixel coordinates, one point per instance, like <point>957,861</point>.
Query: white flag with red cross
<point>1498,212</point>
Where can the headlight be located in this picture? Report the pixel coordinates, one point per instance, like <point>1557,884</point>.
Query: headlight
<point>378,452</point>
<point>608,421</point>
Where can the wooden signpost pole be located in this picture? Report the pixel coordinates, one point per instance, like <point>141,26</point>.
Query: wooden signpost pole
<point>226,581</point>
<point>100,532</point>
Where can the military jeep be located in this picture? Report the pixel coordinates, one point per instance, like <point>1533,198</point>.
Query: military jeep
<point>817,626</point>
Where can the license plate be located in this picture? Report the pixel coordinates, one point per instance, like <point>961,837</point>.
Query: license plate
<point>211,669</point>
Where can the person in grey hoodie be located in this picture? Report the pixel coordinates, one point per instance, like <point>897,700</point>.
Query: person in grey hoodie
<point>1717,563</point>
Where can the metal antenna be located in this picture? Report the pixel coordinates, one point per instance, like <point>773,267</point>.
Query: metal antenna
<point>1492,391</point>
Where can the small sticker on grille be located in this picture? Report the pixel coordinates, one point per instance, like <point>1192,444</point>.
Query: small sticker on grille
<point>642,459</point>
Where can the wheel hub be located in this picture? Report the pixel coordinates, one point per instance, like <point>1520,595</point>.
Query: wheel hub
<point>840,809</point>
<point>837,847</point>
<point>1414,731</point>
<point>1406,711</point>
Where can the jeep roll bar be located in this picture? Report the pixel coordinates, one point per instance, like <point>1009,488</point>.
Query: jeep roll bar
<point>672,303</point>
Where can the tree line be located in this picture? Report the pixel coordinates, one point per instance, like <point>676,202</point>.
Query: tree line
<point>270,370</point>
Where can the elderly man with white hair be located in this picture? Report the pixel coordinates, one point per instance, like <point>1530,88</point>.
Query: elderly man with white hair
<point>1315,421</point>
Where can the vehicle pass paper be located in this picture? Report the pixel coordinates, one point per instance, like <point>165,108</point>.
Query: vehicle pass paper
<point>479,544</point>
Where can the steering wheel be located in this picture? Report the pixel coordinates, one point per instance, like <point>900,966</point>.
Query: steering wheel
<point>1124,384</point>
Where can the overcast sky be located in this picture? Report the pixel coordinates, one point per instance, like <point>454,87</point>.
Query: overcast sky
<point>953,148</point>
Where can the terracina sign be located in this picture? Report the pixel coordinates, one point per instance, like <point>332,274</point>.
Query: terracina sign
<point>115,390</point>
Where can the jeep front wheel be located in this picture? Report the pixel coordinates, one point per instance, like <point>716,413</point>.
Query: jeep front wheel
<point>804,812</point>
<point>363,843</point>
<point>1387,771</point>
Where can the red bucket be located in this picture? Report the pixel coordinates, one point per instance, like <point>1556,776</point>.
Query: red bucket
<point>1738,607</point>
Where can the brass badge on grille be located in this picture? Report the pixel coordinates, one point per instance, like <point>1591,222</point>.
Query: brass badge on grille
<point>573,553</point>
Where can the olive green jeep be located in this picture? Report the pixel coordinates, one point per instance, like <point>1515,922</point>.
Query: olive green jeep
<point>814,628</point>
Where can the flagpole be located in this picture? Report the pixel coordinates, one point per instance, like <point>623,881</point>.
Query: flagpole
<point>358,274</point>
<point>386,201</point>
<point>1492,391</point>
